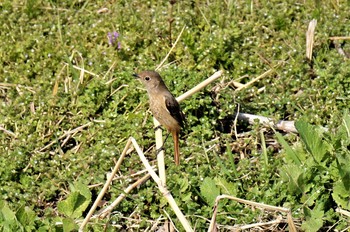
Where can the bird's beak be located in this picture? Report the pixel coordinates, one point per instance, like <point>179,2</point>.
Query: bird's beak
<point>136,75</point>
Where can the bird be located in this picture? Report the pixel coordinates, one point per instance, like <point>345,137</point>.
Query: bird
<point>164,107</point>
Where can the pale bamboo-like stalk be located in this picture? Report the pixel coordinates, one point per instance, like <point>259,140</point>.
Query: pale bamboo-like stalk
<point>105,187</point>
<point>339,38</point>
<point>162,188</point>
<point>280,125</point>
<point>200,86</point>
<point>259,205</point>
<point>343,212</point>
<point>160,155</point>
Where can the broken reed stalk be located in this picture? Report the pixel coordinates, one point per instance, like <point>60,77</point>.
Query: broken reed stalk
<point>339,38</point>
<point>200,86</point>
<point>287,126</point>
<point>255,204</point>
<point>310,37</point>
<point>160,155</point>
<point>343,212</point>
<point>105,187</point>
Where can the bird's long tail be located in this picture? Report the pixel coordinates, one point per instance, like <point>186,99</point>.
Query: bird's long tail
<point>176,147</point>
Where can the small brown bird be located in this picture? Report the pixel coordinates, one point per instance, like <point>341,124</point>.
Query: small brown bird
<point>164,106</point>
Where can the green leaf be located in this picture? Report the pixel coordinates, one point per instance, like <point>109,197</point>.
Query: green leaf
<point>74,205</point>
<point>345,128</point>
<point>186,196</point>
<point>69,225</point>
<point>343,161</point>
<point>290,153</point>
<point>8,221</point>
<point>293,174</point>
<point>82,188</point>
<point>26,216</point>
<point>209,190</point>
<point>226,187</point>
<point>312,139</point>
<point>313,220</point>
<point>183,184</point>
<point>7,213</point>
<point>341,195</point>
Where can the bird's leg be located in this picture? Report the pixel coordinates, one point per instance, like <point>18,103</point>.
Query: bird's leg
<point>166,137</point>
<point>162,147</point>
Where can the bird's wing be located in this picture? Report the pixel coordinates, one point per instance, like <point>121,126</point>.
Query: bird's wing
<point>174,109</point>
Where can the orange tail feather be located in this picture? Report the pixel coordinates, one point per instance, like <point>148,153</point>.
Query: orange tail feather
<point>176,147</point>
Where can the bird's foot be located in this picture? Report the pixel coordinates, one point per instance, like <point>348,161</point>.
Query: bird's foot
<point>159,150</point>
<point>159,127</point>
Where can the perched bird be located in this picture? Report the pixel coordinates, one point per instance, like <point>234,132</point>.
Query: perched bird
<point>164,106</point>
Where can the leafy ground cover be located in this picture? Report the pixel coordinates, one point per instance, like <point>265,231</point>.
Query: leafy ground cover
<point>69,104</point>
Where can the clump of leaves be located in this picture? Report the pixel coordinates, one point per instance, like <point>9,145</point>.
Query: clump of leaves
<point>317,172</point>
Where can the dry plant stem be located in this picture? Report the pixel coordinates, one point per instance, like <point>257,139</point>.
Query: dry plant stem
<point>68,133</point>
<point>256,79</point>
<point>200,86</point>
<point>245,227</point>
<point>160,155</point>
<point>7,131</point>
<point>339,38</point>
<point>83,70</point>
<point>107,210</point>
<point>341,211</point>
<point>105,187</point>
<point>162,188</point>
<point>260,205</point>
<point>280,125</point>
<point>310,35</point>
<point>235,121</point>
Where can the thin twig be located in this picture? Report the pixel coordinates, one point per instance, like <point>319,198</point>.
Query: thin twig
<point>7,131</point>
<point>80,128</point>
<point>83,70</point>
<point>167,55</point>
<point>107,210</point>
<point>256,79</point>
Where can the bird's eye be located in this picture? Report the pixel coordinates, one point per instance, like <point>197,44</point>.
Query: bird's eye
<point>147,78</point>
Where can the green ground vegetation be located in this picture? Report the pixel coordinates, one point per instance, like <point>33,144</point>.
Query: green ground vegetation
<point>68,104</point>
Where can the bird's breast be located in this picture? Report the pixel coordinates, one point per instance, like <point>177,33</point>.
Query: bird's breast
<point>161,113</point>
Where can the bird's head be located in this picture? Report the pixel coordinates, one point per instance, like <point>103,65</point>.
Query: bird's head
<point>150,79</point>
